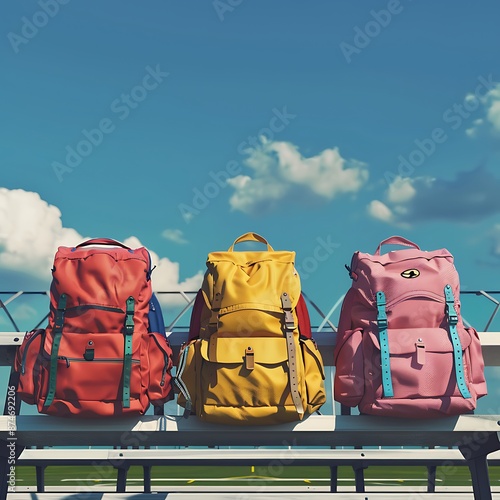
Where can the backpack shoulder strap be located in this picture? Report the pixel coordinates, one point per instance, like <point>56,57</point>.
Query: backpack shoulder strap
<point>195,323</point>
<point>303,318</point>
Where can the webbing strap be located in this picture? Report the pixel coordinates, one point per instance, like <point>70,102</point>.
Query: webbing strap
<point>292,353</point>
<point>127,351</point>
<point>452,316</point>
<point>213,323</point>
<point>384,346</point>
<point>180,383</point>
<point>54,352</point>
<point>292,365</point>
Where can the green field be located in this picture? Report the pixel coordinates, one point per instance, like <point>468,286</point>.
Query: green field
<point>73,476</point>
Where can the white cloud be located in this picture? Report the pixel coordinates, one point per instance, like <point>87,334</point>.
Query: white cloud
<point>495,240</point>
<point>32,230</point>
<point>166,275</point>
<point>471,196</point>
<point>401,190</point>
<point>491,105</point>
<point>493,115</point>
<point>174,235</point>
<point>380,211</point>
<point>280,173</point>
<point>476,124</point>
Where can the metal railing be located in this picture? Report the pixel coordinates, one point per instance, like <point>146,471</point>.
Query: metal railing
<point>187,300</point>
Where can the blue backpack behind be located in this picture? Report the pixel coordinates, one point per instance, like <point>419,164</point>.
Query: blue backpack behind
<point>155,316</point>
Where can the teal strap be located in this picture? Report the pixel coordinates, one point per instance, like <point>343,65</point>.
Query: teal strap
<point>54,353</point>
<point>452,315</point>
<point>127,351</point>
<point>384,346</point>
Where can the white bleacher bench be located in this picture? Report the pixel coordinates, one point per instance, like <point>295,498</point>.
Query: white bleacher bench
<point>472,439</point>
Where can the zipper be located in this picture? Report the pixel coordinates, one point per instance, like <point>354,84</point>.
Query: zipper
<point>413,295</point>
<point>165,359</point>
<point>25,353</point>
<point>420,257</point>
<point>164,371</point>
<point>84,307</point>
<point>99,360</point>
<point>180,383</point>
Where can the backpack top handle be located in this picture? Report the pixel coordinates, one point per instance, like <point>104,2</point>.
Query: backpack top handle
<point>102,241</point>
<point>396,240</point>
<point>251,237</point>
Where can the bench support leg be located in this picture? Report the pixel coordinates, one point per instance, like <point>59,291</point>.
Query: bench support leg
<point>475,452</point>
<point>40,478</point>
<point>334,477</point>
<point>359,477</point>
<point>431,478</point>
<point>147,478</point>
<point>121,480</point>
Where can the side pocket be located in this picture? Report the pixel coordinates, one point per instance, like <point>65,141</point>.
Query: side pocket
<point>28,364</point>
<point>349,381</point>
<point>314,375</point>
<point>477,364</point>
<point>185,378</point>
<point>160,388</point>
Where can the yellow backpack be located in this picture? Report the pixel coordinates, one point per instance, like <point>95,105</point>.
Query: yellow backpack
<point>246,361</point>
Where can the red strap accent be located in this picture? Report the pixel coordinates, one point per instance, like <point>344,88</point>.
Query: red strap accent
<point>195,323</point>
<point>303,318</point>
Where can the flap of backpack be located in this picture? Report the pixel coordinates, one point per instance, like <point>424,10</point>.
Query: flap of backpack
<point>405,341</point>
<point>263,350</point>
<point>251,277</point>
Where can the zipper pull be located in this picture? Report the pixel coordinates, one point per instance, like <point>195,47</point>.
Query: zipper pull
<point>64,358</point>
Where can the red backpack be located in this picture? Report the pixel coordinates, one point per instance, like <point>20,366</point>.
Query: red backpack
<point>98,356</point>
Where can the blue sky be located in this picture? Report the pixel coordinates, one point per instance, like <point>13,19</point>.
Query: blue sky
<point>181,125</point>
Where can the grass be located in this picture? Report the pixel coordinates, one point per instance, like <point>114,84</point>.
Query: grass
<point>91,476</point>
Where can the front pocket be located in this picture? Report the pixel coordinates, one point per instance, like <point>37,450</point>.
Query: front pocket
<point>314,375</point>
<point>476,363</point>
<point>246,372</point>
<point>421,363</point>
<point>90,368</point>
<point>160,364</point>
<point>349,380</point>
<point>28,363</point>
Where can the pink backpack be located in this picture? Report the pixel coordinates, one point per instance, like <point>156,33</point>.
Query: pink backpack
<point>402,348</point>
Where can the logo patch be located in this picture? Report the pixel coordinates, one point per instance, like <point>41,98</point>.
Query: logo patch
<point>411,273</point>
